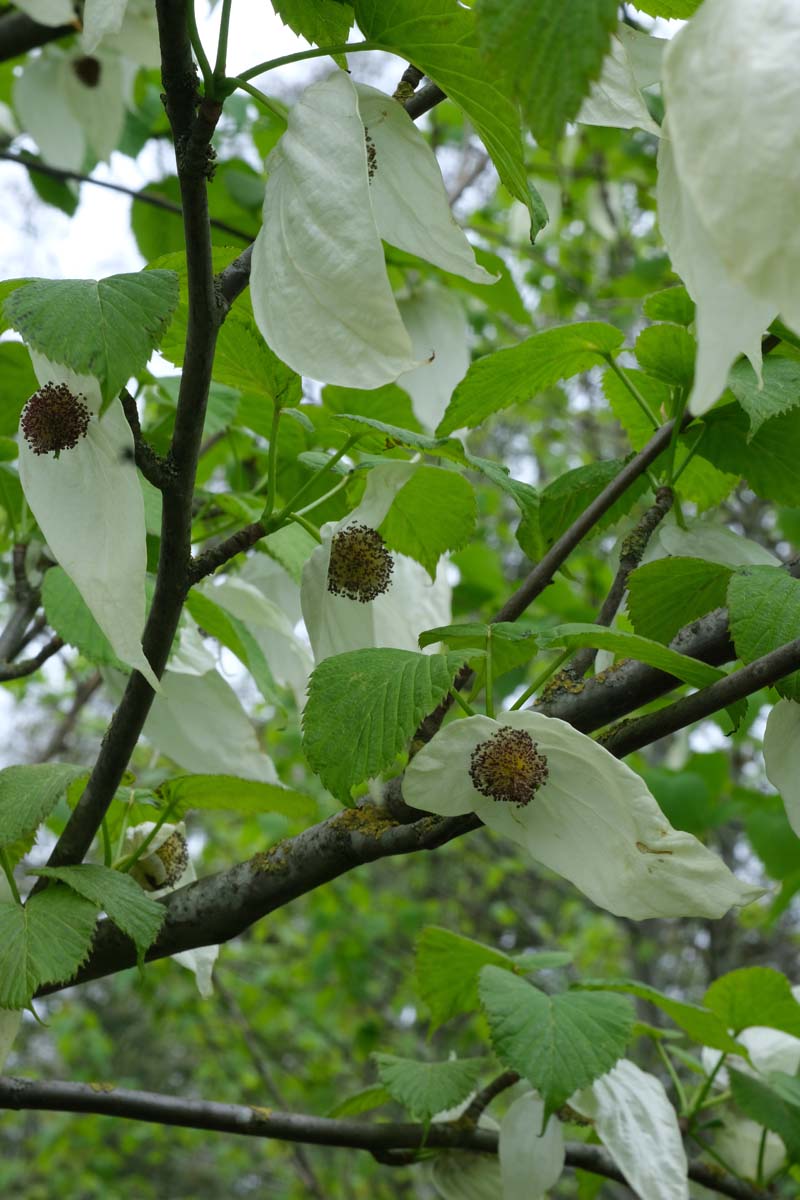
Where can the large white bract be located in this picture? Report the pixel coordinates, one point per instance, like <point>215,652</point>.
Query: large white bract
<point>782,756</point>
<point>412,603</point>
<point>531,1161</point>
<point>729,177</point>
<point>593,820</point>
<point>351,169</point>
<point>438,326</point>
<point>89,506</point>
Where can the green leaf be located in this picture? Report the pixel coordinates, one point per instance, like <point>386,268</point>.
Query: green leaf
<point>559,1043</point>
<point>120,896</point>
<point>754,996</point>
<point>673,304</point>
<point>447,968</point>
<point>387,437</point>
<point>61,193</point>
<point>517,374</point>
<point>699,1023</point>
<point>433,513</point>
<point>323,22</point>
<point>764,612</point>
<point>774,1104</point>
<point>232,794</point>
<point>667,352</point>
<point>550,51</point>
<point>667,594</point>
<point>512,645</point>
<point>361,1102</point>
<point>427,1088</point>
<point>669,8</point>
<point>29,794</point>
<point>106,328</point>
<point>439,37</point>
<point>541,960</point>
<point>363,707</point>
<point>631,645</point>
<point>44,942</point>
<point>770,834</point>
<point>779,394</point>
<point>386,408</point>
<point>68,615</point>
<point>767,459</point>
<point>17,383</point>
<point>563,500</point>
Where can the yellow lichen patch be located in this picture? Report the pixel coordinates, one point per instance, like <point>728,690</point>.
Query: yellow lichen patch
<point>103,1087</point>
<point>269,860</point>
<point>368,819</point>
<point>263,1114</point>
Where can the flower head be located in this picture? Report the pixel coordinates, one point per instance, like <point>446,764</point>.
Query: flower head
<point>166,862</point>
<point>360,567</point>
<point>54,419</point>
<point>574,808</point>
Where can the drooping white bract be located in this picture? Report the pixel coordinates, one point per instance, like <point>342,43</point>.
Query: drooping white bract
<point>616,98</point>
<point>462,1174</point>
<point>127,26</point>
<point>198,721</point>
<point>151,869</point>
<point>741,1143</point>
<point>438,326</point>
<point>592,820</point>
<point>71,106</point>
<point>89,507</point>
<point>639,1127</point>
<point>708,539</point>
<point>350,169</point>
<point>335,623</point>
<point>531,1162</point>
<point>288,657</point>
<point>729,178</point>
<point>782,756</point>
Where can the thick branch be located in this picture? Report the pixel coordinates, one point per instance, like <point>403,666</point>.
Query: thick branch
<point>28,665</point>
<point>155,1108</point>
<point>19,34</point>
<point>192,128</point>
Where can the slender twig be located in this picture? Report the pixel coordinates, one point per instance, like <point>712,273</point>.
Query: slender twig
<point>154,468</point>
<point>301,55</point>
<point>12,638</point>
<point>641,731</point>
<point>139,197</point>
<point>482,1099</point>
<point>83,694</point>
<point>211,560</point>
<point>29,665</point>
<point>542,574</point>
<point>19,34</point>
<point>631,554</point>
<point>155,1108</point>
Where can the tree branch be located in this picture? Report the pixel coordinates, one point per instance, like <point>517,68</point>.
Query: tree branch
<point>192,128</point>
<point>19,33</point>
<point>152,465</point>
<point>155,1108</point>
<point>29,665</point>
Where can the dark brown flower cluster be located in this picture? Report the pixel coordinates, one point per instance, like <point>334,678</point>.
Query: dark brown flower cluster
<point>173,857</point>
<point>360,566</point>
<point>508,766</point>
<point>54,419</point>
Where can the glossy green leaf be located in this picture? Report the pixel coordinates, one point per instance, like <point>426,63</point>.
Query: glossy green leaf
<point>701,1024</point>
<point>29,794</point>
<point>668,593</point>
<point>754,996</point>
<point>427,1088</point>
<point>229,793</point>
<point>44,942</point>
<point>433,513</point>
<point>130,908</point>
<point>778,393</point>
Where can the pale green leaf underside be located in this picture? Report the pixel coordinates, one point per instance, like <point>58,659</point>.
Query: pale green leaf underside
<point>700,1023</point>
<point>409,528</point>
<point>363,707</point>
<point>774,1104</point>
<point>667,594</point>
<point>106,328</point>
<point>118,895</point>
<point>232,794</point>
<point>447,967</point>
<point>754,996</point>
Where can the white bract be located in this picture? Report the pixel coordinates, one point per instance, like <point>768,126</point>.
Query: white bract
<point>288,657</point>
<point>531,1162</point>
<point>73,107</point>
<point>351,169</point>
<point>48,12</point>
<point>128,26</point>
<point>592,820</point>
<point>199,722</point>
<point>782,756</point>
<point>164,867</point>
<point>411,603</point>
<point>89,507</point>
<point>461,1174</point>
<point>616,98</point>
<point>438,326</point>
<point>636,1123</point>
<point>729,178</point>
<point>742,1145</point>
<point>709,540</point>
